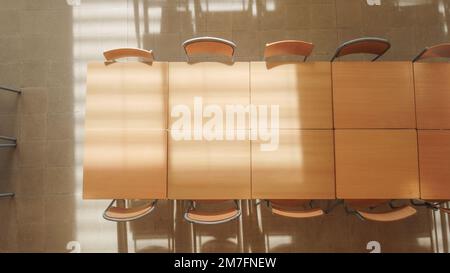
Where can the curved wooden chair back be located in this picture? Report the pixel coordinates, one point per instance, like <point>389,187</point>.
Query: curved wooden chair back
<point>209,45</point>
<point>118,53</point>
<point>291,208</point>
<point>368,45</point>
<point>307,213</point>
<point>436,51</point>
<point>288,47</point>
<point>195,216</point>
<point>118,214</point>
<point>396,214</point>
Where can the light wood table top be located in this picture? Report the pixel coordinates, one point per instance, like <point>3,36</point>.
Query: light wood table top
<point>434,159</point>
<point>209,169</point>
<point>302,91</point>
<point>126,95</point>
<point>376,164</point>
<point>373,95</point>
<point>129,153</point>
<point>125,164</point>
<point>301,168</point>
<point>202,169</point>
<point>432,85</point>
<point>215,83</point>
<point>125,155</point>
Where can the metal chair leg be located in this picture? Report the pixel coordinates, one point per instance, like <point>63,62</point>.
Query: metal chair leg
<point>12,140</point>
<point>350,211</point>
<point>392,205</point>
<point>421,203</point>
<point>333,205</point>
<point>8,194</point>
<point>4,88</point>
<point>7,145</point>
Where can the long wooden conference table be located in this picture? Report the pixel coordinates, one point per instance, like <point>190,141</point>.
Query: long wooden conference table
<point>347,130</point>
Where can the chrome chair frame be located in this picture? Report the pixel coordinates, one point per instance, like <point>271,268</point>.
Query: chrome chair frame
<point>420,54</point>
<point>431,205</point>
<point>4,88</point>
<point>7,194</point>
<point>12,140</point>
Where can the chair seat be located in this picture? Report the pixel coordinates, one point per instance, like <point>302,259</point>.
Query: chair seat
<point>127,214</point>
<point>393,215</point>
<point>207,217</point>
<point>308,213</point>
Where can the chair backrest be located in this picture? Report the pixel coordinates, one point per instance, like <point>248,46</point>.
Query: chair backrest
<point>209,45</point>
<point>293,208</point>
<point>118,53</point>
<point>368,45</point>
<point>207,217</point>
<point>195,216</point>
<point>288,47</point>
<point>306,213</point>
<point>119,214</point>
<point>436,51</point>
<point>389,216</point>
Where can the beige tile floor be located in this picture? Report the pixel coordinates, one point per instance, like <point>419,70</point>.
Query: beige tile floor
<point>44,48</point>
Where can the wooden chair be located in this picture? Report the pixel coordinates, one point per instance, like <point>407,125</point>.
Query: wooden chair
<point>122,214</point>
<point>209,45</point>
<point>293,208</point>
<point>368,45</point>
<point>436,51</point>
<point>196,216</point>
<point>288,47</point>
<point>118,53</point>
<point>361,208</point>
